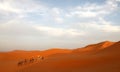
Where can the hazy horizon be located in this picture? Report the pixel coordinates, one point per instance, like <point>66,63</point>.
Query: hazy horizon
<point>45,24</point>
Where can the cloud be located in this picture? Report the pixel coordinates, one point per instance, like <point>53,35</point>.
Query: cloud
<point>57,14</point>
<point>100,25</point>
<point>8,7</point>
<point>26,8</point>
<point>111,28</point>
<point>107,26</point>
<point>17,6</point>
<point>90,17</point>
<point>27,23</point>
<point>19,27</point>
<point>93,10</point>
<point>59,31</point>
<point>20,8</point>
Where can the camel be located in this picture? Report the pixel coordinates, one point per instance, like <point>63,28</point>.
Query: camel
<point>20,63</point>
<point>40,57</point>
<point>25,61</point>
<point>32,60</point>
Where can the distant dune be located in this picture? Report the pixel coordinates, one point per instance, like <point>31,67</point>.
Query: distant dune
<point>100,57</point>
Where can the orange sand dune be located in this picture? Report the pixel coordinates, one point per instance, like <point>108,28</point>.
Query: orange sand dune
<point>93,47</point>
<point>101,57</point>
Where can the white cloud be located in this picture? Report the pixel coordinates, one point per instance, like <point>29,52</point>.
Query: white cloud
<point>7,6</point>
<point>101,25</point>
<point>57,14</point>
<point>58,19</point>
<point>58,31</point>
<point>91,16</point>
<point>82,14</point>
<point>111,28</point>
<point>31,21</point>
<point>93,10</point>
<point>105,27</point>
<point>21,7</point>
<point>108,26</point>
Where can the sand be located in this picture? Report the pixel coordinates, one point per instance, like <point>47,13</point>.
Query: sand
<point>100,57</point>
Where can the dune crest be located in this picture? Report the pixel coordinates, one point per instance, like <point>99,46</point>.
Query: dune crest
<point>94,47</point>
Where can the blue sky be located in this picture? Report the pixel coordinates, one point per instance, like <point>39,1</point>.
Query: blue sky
<point>45,24</point>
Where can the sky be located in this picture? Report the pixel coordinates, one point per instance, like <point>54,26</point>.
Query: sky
<point>45,24</point>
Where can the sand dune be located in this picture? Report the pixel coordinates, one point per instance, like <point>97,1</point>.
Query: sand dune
<point>101,57</point>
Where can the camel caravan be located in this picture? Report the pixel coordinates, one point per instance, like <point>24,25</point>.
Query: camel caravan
<point>30,60</point>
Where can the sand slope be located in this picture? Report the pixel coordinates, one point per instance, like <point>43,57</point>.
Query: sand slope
<point>101,57</point>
